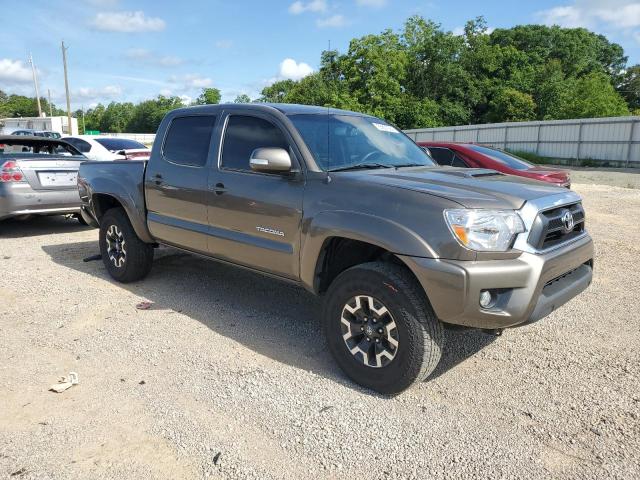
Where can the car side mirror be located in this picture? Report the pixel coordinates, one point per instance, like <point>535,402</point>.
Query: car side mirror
<point>270,160</point>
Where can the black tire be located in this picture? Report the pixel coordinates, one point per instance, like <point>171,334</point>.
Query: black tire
<point>137,260</point>
<point>419,333</point>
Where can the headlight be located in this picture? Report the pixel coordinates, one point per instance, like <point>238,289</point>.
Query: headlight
<point>484,230</point>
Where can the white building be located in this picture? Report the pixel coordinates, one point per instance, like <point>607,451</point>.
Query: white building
<point>54,124</point>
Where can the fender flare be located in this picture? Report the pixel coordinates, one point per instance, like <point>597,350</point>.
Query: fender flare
<point>131,201</point>
<point>364,227</point>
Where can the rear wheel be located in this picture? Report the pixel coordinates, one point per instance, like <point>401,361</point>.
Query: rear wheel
<point>380,327</point>
<point>126,257</point>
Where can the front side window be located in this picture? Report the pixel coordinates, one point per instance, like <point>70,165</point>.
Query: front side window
<point>81,145</point>
<point>340,142</point>
<point>443,156</point>
<point>117,144</point>
<point>243,135</point>
<point>187,140</point>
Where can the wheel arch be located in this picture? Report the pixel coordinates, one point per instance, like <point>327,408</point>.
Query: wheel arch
<point>335,241</point>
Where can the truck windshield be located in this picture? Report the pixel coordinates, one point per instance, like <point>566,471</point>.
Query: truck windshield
<point>340,142</point>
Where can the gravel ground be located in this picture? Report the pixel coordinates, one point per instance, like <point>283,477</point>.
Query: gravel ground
<point>615,177</point>
<point>227,376</point>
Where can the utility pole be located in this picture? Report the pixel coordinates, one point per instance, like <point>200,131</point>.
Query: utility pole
<point>35,84</point>
<point>84,128</point>
<point>50,106</point>
<point>66,87</point>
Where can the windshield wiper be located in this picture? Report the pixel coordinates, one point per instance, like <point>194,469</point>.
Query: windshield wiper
<point>359,166</point>
<point>402,165</point>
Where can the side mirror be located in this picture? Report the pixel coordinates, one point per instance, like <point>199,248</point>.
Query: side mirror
<point>270,160</point>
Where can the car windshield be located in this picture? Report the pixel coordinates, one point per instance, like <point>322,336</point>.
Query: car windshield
<point>116,144</point>
<point>339,142</point>
<point>34,147</point>
<point>505,158</point>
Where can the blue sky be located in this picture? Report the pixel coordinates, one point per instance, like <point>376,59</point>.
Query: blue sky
<point>132,50</point>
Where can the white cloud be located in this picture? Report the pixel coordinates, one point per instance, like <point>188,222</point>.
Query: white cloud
<point>191,80</point>
<point>372,3</point>
<point>186,100</point>
<point>290,69</point>
<point>317,6</point>
<point>337,20</point>
<point>128,22</point>
<point>151,58</point>
<point>615,14</point>
<point>14,71</point>
<point>86,93</point>
<point>224,44</point>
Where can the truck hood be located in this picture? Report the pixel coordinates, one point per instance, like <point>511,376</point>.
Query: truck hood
<point>470,187</point>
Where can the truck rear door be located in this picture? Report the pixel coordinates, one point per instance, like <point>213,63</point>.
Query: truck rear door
<point>255,217</point>
<point>176,183</point>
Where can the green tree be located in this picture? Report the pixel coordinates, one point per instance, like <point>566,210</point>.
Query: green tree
<point>277,91</point>
<point>242,98</point>
<point>511,105</point>
<point>209,96</point>
<point>587,97</point>
<point>629,86</point>
<point>148,114</point>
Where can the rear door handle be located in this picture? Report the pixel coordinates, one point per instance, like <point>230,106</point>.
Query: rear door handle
<point>218,189</point>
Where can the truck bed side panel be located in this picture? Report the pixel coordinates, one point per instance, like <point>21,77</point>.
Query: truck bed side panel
<point>122,180</point>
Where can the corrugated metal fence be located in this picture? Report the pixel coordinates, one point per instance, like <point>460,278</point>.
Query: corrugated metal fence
<point>613,139</point>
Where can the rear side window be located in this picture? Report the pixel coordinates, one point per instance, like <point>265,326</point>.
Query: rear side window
<point>188,138</point>
<point>243,135</point>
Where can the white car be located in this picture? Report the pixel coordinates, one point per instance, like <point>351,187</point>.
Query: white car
<point>101,148</point>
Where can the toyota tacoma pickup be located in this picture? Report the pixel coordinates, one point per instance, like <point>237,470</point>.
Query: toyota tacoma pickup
<point>351,209</point>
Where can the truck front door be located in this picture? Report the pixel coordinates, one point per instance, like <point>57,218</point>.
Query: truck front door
<point>254,218</point>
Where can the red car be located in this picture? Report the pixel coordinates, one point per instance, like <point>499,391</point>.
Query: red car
<point>478,156</point>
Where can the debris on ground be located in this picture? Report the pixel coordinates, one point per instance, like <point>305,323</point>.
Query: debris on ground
<point>65,383</point>
<point>146,305</point>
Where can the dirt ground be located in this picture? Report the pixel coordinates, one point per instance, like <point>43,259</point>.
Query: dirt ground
<point>227,375</point>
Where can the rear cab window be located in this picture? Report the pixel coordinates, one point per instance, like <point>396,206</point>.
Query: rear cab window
<point>188,139</point>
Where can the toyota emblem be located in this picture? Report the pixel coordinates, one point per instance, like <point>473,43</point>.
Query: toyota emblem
<point>568,221</point>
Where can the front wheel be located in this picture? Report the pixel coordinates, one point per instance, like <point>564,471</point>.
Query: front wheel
<point>380,327</point>
<point>126,257</point>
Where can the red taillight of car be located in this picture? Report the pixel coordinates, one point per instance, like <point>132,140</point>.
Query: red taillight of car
<point>11,172</point>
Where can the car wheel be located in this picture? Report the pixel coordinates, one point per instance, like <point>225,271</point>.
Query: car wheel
<point>380,327</point>
<point>126,257</point>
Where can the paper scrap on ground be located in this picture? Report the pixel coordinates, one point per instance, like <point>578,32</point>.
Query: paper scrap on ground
<point>65,383</point>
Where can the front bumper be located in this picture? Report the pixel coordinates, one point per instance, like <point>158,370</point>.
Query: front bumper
<point>527,288</point>
<point>20,199</point>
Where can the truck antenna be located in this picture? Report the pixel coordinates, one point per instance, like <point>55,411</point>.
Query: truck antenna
<point>328,178</point>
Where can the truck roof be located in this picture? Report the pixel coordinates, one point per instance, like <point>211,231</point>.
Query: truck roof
<point>285,108</point>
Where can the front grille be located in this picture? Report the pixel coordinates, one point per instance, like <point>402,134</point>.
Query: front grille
<point>549,229</point>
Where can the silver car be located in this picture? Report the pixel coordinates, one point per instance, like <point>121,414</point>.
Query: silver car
<point>38,176</point>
